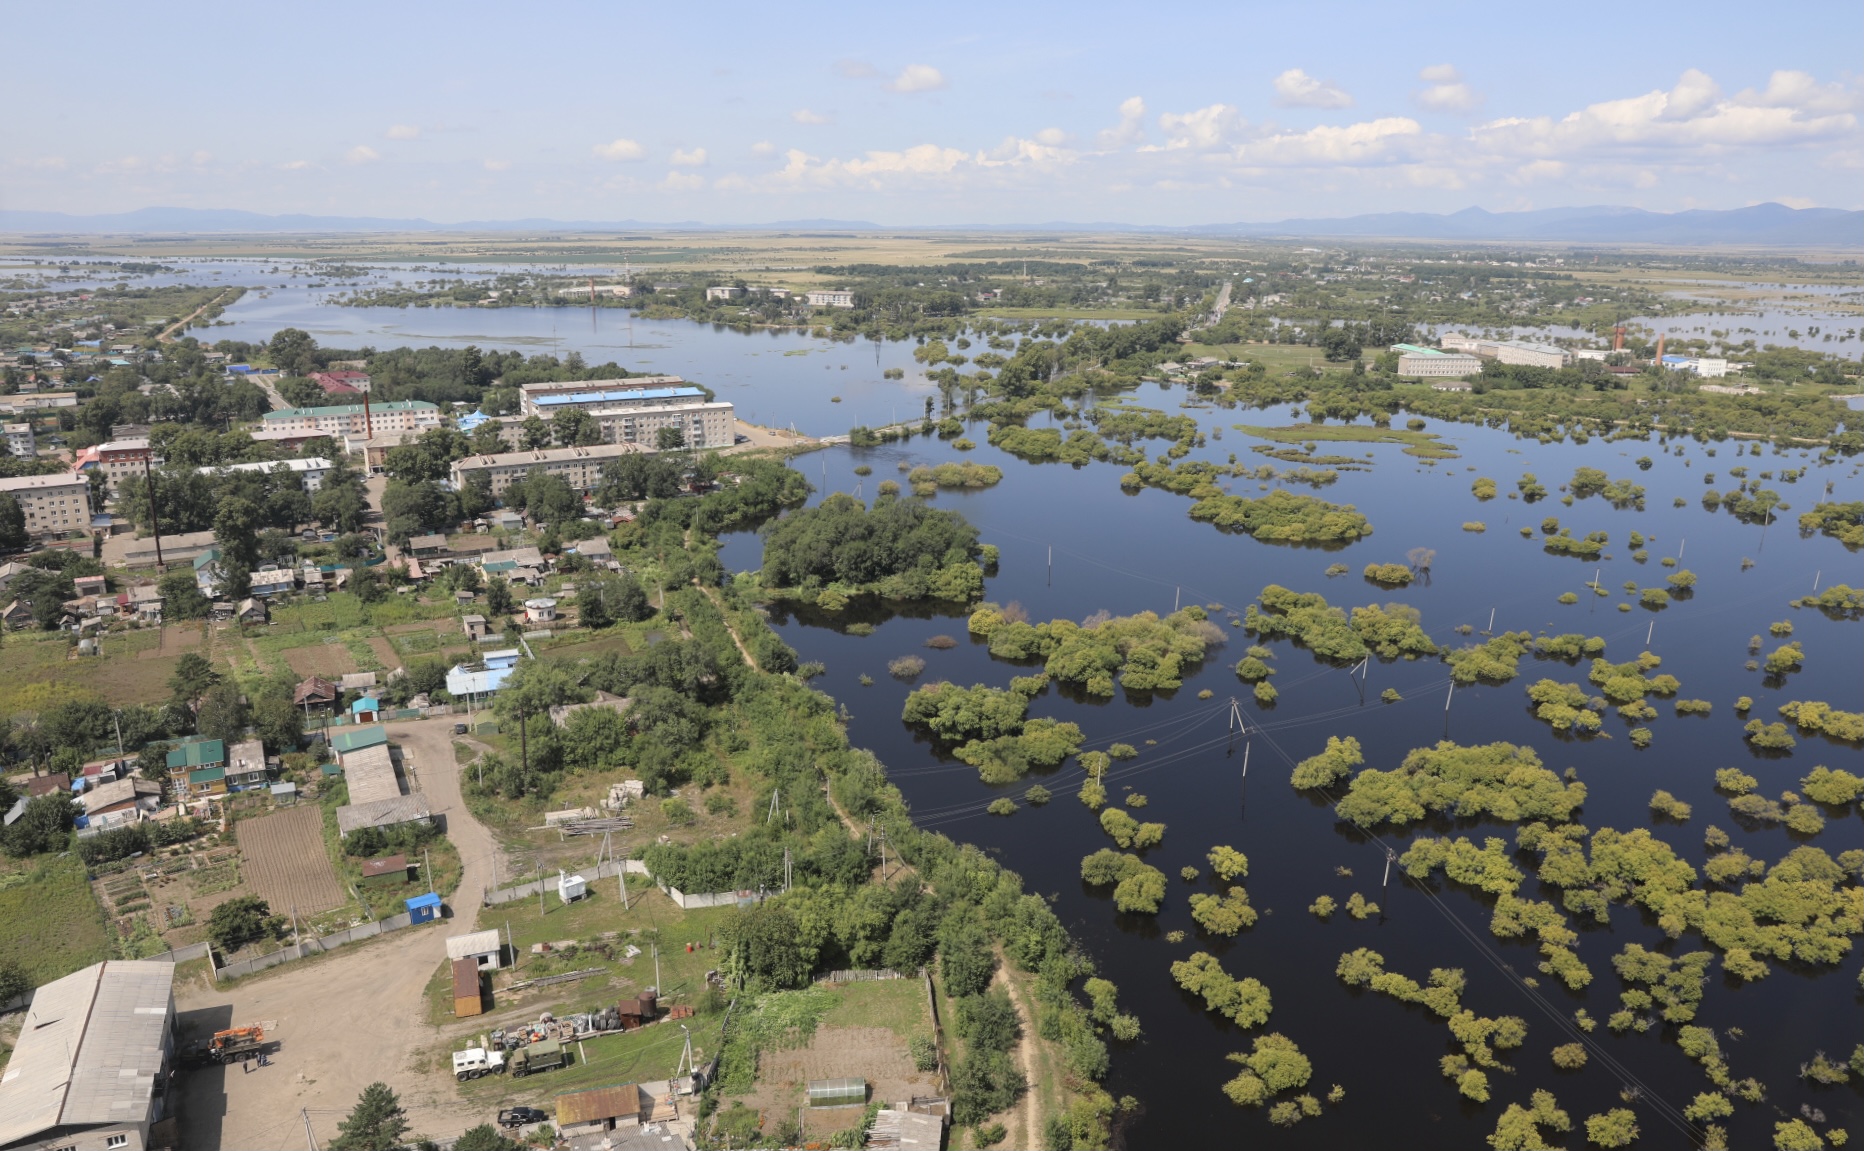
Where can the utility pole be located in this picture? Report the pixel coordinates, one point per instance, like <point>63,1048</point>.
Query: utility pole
<point>310,1136</point>
<point>656,948</point>
<point>786,871</point>
<point>1385,883</point>
<point>155,514</point>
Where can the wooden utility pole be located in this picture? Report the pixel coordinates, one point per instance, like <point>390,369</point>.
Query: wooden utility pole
<point>155,514</point>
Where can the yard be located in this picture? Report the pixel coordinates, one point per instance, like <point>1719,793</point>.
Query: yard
<point>286,863</point>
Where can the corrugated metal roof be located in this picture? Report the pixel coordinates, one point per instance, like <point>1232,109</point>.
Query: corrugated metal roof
<point>197,753</point>
<point>388,865</point>
<point>599,1104</point>
<point>370,774</point>
<point>476,943</point>
<point>90,1049</point>
<point>356,738</point>
<point>383,813</point>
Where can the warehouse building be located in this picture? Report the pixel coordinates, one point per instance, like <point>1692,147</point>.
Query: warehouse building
<point>92,1068</point>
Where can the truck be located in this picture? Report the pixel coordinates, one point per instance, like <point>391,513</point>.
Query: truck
<point>229,1046</point>
<point>475,1062</point>
<point>547,1055</point>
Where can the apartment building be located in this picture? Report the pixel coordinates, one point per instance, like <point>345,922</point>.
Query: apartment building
<point>19,441</point>
<point>310,472</point>
<point>831,299</point>
<point>356,419</point>
<point>1419,361</point>
<point>53,504</point>
<point>116,459</point>
<point>580,467</point>
<point>548,398</point>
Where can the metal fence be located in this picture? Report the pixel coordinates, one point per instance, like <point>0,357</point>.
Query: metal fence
<point>314,945</point>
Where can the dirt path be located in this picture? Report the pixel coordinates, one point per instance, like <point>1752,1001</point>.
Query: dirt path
<point>725,618</point>
<point>168,333</point>
<point>1030,1110</point>
<point>348,1019</point>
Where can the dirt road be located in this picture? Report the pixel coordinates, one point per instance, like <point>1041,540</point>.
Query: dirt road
<point>347,1019</point>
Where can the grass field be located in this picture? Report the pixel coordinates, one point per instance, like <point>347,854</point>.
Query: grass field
<point>52,922</point>
<point>1425,444</point>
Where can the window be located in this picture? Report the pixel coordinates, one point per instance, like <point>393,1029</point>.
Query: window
<point>117,1141</point>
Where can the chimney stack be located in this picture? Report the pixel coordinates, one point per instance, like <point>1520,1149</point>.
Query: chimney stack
<point>1659,358</point>
<point>1618,338</point>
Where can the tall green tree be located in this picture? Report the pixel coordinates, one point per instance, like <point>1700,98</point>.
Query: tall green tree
<point>13,532</point>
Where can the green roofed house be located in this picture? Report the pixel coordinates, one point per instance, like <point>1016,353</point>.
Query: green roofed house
<point>354,739</point>
<point>185,760</point>
<point>207,781</point>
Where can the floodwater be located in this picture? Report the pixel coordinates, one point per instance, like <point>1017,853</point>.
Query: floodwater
<point>1131,552</point>
<point>1127,553</point>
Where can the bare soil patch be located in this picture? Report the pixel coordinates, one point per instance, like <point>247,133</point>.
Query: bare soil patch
<point>177,638</point>
<point>322,659</point>
<point>385,652</point>
<point>286,864</point>
<point>875,1054</point>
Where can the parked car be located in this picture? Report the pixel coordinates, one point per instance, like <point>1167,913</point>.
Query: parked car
<point>512,1118</point>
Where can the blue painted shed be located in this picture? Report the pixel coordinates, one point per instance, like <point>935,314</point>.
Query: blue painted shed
<point>424,908</point>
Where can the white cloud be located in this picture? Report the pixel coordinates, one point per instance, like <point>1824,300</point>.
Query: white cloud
<point>202,157</point>
<point>805,116</point>
<point>497,165</point>
<point>1446,92</point>
<point>855,69</point>
<point>1204,129</point>
<point>405,132</point>
<point>763,148</point>
<point>684,159</point>
<point>918,78</point>
<point>1798,90</point>
<point>1535,171</point>
<point>1053,137</point>
<point>1296,89</point>
<point>683,182</point>
<point>294,166</point>
<point>361,154</point>
<point>1690,116</point>
<point>1015,150</point>
<point>1370,141</point>
<point>620,148</point>
<point>1131,129</point>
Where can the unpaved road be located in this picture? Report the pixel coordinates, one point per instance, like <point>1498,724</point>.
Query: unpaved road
<point>345,1020</point>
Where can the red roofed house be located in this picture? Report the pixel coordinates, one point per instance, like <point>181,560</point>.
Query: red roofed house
<point>341,383</point>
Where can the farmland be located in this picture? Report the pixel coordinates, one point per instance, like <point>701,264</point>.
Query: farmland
<point>286,863</point>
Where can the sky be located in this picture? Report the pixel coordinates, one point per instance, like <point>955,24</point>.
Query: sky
<point>902,115</point>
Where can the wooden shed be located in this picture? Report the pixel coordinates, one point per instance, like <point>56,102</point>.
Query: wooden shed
<point>388,871</point>
<point>467,997</point>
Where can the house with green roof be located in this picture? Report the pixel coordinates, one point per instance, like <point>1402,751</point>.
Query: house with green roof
<point>354,739</point>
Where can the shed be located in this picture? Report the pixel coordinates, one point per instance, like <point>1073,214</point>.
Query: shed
<point>366,709</point>
<point>383,813</point>
<point>598,1110</point>
<point>284,794</point>
<point>907,1130</point>
<point>468,998</point>
<point>482,947</point>
<point>388,871</point>
<point>540,610</point>
<point>423,908</point>
<point>838,1093</point>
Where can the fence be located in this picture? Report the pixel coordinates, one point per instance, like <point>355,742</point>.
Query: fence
<point>314,945</point>
<point>609,869</point>
<point>861,976</point>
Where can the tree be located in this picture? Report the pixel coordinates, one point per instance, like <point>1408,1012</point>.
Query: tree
<point>240,921</point>
<point>488,438</point>
<point>293,350</point>
<point>498,595</point>
<point>546,498</point>
<point>236,530</point>
<point>534,434</point>
<point>573,427</point>
<point>13,533</point>
<point>14,981</point>
<point>376,1123</point>
<point>592,603</point>
<point>671,438</point>
<point>484,1137</point>
<point>44,826</point>
<point>193,678</point>
<point>764,949</point>
<point>278,723</point>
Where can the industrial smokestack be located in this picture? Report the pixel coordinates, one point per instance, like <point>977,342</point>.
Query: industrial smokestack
<point>1659,360</point>
<point>1618,338</point>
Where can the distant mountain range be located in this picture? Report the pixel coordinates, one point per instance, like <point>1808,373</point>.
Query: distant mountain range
<point>1761,224</point>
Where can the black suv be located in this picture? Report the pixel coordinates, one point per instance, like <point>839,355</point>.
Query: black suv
<point>514,1117</point>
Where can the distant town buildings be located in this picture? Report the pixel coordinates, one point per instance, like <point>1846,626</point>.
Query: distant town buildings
<point>724,292</point>
<point>341,383</point>
<point>830,299</point>
<point>547,399</point>
<point>53,504</point>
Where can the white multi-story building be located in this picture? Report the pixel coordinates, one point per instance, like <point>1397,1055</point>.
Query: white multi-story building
<point>1415,360</point>
<point>581,468</point>
<point>724,292</point>
<point>549,398</point>
<point>310,472</point>
<point>356,419</point>
<point>831,299</point>
<point>1459,343</point>
<point>19,441</point>
<point>53,504</point>
<point>115,459</point>
<point>1521,352</point>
